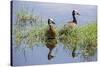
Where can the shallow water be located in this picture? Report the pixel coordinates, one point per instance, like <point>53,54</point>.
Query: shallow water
<point>38,55</point>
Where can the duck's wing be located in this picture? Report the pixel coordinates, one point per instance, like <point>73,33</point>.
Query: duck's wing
<point>71,24</point>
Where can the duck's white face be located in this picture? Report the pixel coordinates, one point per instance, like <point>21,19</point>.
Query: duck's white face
<point>52,21</point>
<point>77,13</point>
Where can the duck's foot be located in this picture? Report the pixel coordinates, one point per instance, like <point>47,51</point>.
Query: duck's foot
<point>50,57</point>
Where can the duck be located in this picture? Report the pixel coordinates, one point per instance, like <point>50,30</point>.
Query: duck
<point>50,37</point>
<point>73,23</point>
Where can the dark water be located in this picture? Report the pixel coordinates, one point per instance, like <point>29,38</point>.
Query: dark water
<point>61,14</point>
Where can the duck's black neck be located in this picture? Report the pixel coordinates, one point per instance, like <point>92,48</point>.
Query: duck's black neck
<point>74,18</point>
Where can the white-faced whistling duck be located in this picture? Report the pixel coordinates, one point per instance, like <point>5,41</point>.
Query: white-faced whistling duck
<point>73,23</point>
<point>50,38</point>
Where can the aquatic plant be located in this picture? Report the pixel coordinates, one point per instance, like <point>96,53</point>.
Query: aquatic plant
<point>82,38</point>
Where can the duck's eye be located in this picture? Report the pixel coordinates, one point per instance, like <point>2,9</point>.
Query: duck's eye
<point>53,22</point>
<point>77,13</point>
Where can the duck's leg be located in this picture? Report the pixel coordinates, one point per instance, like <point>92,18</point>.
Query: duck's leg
<point>49,54</point>
<point>74,52</point>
